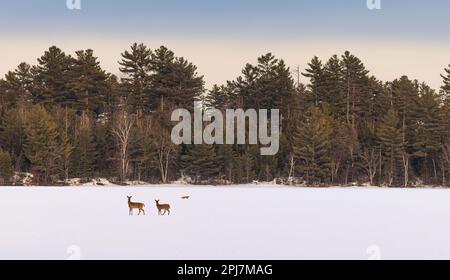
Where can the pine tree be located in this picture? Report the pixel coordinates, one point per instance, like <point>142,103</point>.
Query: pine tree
<point>6,170</point>
<point>16,86</point>
<point>201,162</point>
<point>312,146</point>
<point>66,151</point>
<point>136,65</point>
<point>275,84</point>
<point>105,150</point>
<point>162,61</point>
<point>219,97</point>
<point>446,86</point>
<point>428,130</point>
<point>333,87</point>
<point>12,135</point>
<point>175,81</point>
<point>340,155</point>
<point>391,143</point>
<point>41,144</point>
<point>316,75</point>
<point>113,95</point>
<point>445,113</point>
<point>225,158</point>
<point>51,78</point>
<point>84,153</point>
<point>404,96</point>
<point>88,82</point>
<point>267,85</point>
<point>354,76</point>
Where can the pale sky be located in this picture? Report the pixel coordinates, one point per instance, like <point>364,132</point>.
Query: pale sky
<point>404,37</point>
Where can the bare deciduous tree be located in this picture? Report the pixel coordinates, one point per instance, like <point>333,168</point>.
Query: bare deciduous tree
<point>122,130</point>
<point>370,158</point>
<point>164,147</point>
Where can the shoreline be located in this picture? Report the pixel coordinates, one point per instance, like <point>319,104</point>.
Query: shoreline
<point>233,186</point>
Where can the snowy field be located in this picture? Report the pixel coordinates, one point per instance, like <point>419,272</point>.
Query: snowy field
<point>225,223</point>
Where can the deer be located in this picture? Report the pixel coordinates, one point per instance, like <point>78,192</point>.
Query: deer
<point>135,205</point>
<point>185,197</point>
<point>165,207</point>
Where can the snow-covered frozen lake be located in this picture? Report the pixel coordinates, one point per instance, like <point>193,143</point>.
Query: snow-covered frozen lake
<point>225,223</point>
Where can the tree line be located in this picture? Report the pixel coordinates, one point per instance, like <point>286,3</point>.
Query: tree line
<point>66,117</point>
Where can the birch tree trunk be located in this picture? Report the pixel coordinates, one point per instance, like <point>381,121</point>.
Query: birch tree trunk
<point>122,130</point>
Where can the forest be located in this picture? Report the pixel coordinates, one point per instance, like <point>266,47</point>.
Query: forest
<point>66,117</point>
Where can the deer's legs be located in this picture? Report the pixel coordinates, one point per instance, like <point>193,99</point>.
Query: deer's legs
<point>130,212</point>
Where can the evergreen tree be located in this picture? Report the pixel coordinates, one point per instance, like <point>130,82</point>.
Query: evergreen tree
<point>428,131</point>
<point>88,82</point>
<point>340,155</point>
<point>162,69</point>
<point>12,135</point>
<point>312,146</point>
<point>84,153</point>
<point>113,96</point>
<point>268,85</point>
<point>275,83</point>
<point>390,138</point>
<point>333,85</point>
<point>66,151</point>
<point>136,65</point>
<point>50,83</point>
<point>446,86</point>
<point>354,76</point>
<point>6,170</point>
<point>316,75</point>
<point>404,96</point>
<point>225,159</point>
<point>219,97</point>
<point>175,81</point>
<point>105,150</point>
<point>16,86</point>
<point>201,162</point>
<point>41,144</point>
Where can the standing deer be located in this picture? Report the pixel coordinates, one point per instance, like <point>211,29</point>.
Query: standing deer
<point>135,205</point>
<point>165,207</point>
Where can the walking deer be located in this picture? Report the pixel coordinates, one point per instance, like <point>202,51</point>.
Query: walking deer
<point>135,205</point>
<point>165,207</point>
